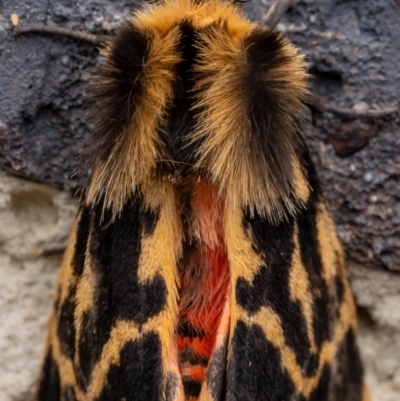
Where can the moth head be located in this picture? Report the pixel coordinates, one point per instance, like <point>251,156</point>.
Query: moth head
<point>195,88</point>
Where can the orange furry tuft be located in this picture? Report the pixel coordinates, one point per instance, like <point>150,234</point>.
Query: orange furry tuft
<point>243,88</point>
<point>249,95</point>
<point>131,95</point>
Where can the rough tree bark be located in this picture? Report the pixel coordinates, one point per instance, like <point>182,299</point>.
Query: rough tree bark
<point>354,55</point>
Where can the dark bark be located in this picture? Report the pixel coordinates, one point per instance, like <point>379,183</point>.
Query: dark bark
<point>354,54</point>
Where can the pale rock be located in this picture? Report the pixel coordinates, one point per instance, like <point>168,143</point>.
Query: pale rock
<point>34,217</point>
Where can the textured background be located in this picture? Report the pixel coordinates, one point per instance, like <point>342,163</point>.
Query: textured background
<point>354,51</point>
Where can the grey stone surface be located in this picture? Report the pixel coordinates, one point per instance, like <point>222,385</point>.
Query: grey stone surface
<point>33,217</point>
<point>42,102</point>
<point>354,51</point>
<point>354,54</point>
<point>377,295</point>
<point>353,48</point>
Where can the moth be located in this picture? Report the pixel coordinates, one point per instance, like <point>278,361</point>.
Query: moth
<point>203,264</point>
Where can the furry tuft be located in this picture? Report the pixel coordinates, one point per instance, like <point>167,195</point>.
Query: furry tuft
<point>132,90</point>
<point>250,94</point>
<point>198,85</point>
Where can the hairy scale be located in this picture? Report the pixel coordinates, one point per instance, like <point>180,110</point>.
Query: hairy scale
<point>204,283</point>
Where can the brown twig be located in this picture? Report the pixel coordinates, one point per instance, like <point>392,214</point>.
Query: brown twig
<point>272,18</point>
<point>321,106</point>
<point>276,12</point>
<point>56,30</point>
